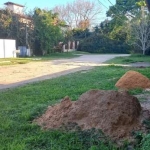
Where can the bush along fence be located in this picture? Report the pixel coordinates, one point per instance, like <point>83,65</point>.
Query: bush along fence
<point>100,44</point>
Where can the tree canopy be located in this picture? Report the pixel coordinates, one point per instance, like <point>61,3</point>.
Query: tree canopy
<point>79,13</point>
<point>124,7</point>
<point>40,33</point>
<point>46,30</point>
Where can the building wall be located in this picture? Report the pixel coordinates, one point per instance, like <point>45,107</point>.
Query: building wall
<point>19,10</point>
<point>10,7</point>
<point>16,9</point>
<point>7,48</point>
<point>1,48</point>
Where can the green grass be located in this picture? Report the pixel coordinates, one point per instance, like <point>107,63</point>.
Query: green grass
<point>129,59</point>
<point>21,105</point>
<point>14,61</point>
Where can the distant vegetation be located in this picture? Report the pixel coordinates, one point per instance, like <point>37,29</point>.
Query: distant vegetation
<point>46,28</point>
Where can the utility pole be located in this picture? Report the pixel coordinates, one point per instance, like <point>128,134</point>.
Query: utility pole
<point>26,35</point>
<point>27,43</point>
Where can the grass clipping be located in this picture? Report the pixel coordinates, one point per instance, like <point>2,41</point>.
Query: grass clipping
<point>132,80</point>
<point>115,113</point>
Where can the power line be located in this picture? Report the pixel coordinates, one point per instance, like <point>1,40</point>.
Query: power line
<point>113,5</point>
<point>102,4</point>
<point>110,10</point>
<point>117,9</point>
<point>110,2</point>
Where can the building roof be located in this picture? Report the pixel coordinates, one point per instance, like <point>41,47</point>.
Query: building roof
<point>11,3</point>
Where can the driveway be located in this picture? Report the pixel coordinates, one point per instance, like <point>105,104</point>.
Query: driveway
<point>17,75</point>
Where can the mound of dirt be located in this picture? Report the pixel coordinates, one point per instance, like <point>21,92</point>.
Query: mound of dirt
<point>133,79</point>
<point>115,113</point>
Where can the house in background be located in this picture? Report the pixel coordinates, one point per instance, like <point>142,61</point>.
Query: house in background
<point>15,8</point>
<point>18,10</point>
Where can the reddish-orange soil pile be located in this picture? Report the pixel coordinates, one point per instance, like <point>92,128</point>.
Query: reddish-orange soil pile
<point>116,113</point>
<point>133,79</point>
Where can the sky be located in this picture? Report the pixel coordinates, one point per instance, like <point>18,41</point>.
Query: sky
<point>31,4</point>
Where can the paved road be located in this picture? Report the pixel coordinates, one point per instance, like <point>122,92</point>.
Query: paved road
<point>17,75</point>
<point>89,59</point>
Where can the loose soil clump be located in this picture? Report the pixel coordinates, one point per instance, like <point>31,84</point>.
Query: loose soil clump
<point>117,114</point>
<point>132,80</point>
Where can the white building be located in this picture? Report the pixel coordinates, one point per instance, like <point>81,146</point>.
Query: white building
<point>15,8</point>
<point>7,48</point>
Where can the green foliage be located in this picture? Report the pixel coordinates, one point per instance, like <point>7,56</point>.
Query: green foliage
<point>145,144</point>
<point>46,30</point>
<point>110,37</point>
<point>101,44</point>
<point>140,33</point>
<point>147,124</point>
<point>122,27</point>
<point>136,91</point>
<point>127,24</point>
<point>5,21</point>
<point>119,33</point>
<point>41,33</point>
<point>12,28</point>
<point>141,3</point>
<point>123,7</point>
<point>80,34</point>
<point>129,59</point>
<point>138,136</point>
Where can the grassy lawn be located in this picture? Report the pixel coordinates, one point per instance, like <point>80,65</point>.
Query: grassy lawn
<point>129,59</point>
<point>13,61</point>
<point>21,105</point>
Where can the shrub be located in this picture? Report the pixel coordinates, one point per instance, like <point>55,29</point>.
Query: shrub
<point>145,143</point>
<point>101,44</point>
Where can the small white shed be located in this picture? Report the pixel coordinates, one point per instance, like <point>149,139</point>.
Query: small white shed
<point>7,48</point>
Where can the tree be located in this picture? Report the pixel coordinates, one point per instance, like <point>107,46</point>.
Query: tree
<point>122,14</point>
<point>46,30</point>
<point>84,24</point>
<point>78,14</point>
<point>141,34</point>
<point>41,32</point>
<point>5,21</point>
<point>12,27</point>
<point>127,8</point>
